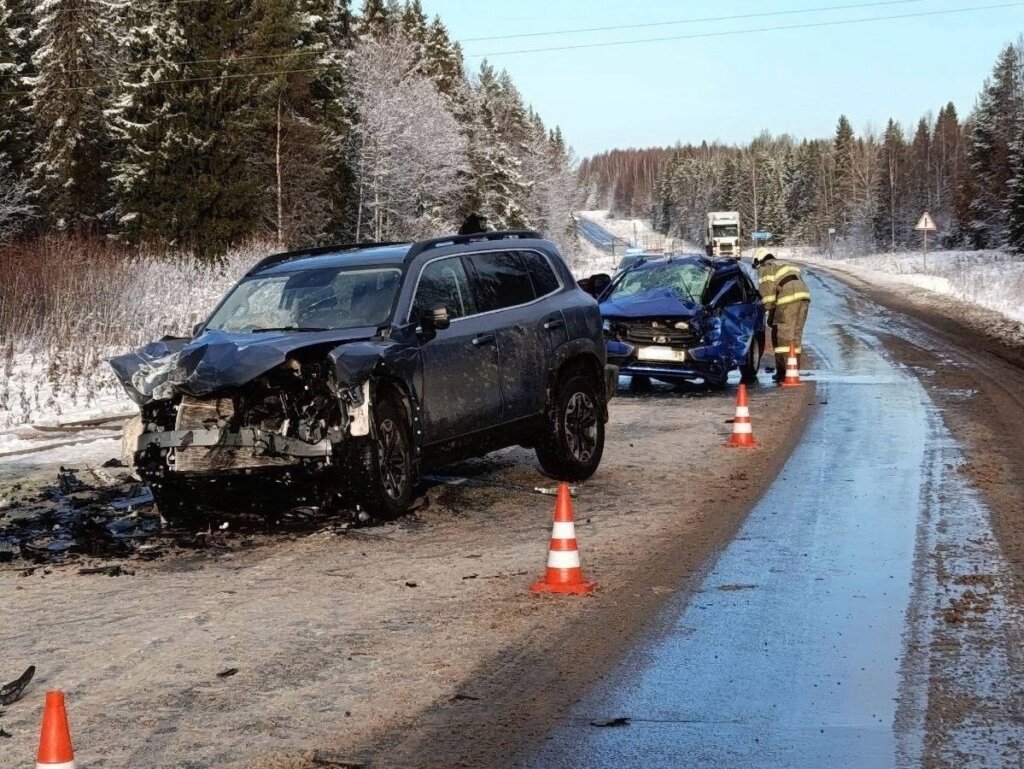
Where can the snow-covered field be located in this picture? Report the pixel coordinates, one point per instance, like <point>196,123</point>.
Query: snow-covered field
<point>990,279</point>
<point>57,372</point>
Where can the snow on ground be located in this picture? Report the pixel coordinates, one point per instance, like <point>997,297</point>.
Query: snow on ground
<point>993,280</point>
<point>59,373</point>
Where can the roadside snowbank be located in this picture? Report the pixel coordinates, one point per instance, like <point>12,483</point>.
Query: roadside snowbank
<point>990,279</point>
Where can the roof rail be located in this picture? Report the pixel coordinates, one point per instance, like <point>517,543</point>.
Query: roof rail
<point>287,256</point>
<point>458,240</point>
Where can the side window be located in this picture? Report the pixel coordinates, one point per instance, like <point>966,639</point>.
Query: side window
<point>733,291</point>
<point>444,282</point>
<point>544,279</point>
<point>501,281</point>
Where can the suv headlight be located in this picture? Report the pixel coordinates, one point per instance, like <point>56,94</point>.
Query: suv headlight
<point>606,326</point>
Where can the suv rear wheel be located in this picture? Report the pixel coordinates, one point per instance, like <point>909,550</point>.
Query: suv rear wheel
<point>571,448</point>
<point>384,465</point>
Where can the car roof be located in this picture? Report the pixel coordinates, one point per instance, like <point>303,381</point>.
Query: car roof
<point>336,257</point>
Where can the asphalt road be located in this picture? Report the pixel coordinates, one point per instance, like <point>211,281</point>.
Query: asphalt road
<point>865,615</point>
<point>599,236</point>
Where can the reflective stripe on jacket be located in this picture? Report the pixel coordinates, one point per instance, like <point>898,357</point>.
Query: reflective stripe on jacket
<point>781,284</point>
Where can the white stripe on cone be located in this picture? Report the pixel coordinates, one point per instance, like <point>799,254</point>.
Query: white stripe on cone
<point>743,411</point>
<point>563,559</point>
<point>743,428</point>
<point>563,530</point>
<point>65,765</point>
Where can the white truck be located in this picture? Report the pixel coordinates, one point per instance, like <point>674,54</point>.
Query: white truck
<point>722,236</point>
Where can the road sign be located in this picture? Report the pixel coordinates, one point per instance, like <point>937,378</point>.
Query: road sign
<point>927,224</point>
<point>831,230</point>
<point>760,236</point>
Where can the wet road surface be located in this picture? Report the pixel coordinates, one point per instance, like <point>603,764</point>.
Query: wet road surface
<point>817,637</point>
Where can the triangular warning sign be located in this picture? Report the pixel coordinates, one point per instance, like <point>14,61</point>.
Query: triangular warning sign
<point>927,224</point>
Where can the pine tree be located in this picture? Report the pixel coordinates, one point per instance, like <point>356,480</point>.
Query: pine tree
<point>889,225</point>
<point>843,154</point>
<point>147,127</point>
<point>947,154</point>
<point>920,184</point>
<point>497,190</point>
<point>69,93</point>
<point>15,67</point>
<point>1015,200</point>
<point>443,62</point>
<point>996,122</point>
<point>414,28</point>
<point>376,19</point>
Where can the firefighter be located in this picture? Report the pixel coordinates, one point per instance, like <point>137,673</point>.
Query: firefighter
<point>787,300</point>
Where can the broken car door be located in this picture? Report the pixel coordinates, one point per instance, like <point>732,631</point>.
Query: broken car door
<point>504,288</point>
<point>461,390</point>
<point>737,313</point>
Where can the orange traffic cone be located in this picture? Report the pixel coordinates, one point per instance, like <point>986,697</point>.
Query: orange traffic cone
<point>55,750</point>
<point>742,427</point>
<point>563,573</point>
<point>792,369</point>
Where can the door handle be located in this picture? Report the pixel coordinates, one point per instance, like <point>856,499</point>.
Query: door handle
<point>554,323</point>
<point>480,341</point>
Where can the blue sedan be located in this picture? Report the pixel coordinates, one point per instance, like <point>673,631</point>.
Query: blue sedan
<point>683,319</point>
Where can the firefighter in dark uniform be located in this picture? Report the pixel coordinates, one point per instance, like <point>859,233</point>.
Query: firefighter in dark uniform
<point>787,300</point>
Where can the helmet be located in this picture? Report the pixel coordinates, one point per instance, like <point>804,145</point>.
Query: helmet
<point>760,255</point>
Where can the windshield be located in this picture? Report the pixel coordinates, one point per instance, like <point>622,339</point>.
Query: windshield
<point>685,278</point>
<point>311,300</point>
<point>726,231</point>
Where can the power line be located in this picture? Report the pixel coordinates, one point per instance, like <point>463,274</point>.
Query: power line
<point>296,53</point>
<point>705,20</point>
<point>699,35</point>
<point>836,23</point>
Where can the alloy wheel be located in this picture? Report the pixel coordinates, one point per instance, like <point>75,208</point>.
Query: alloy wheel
<point>392,457</point>
<point>581,427</point>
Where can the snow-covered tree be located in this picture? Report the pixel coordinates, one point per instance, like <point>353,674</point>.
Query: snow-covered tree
<point>996,124</point>
<point>1015,200</point>
<point>71,65</point>
<point>149,127</point>
<point>409,153</point>
<point>15,66</point>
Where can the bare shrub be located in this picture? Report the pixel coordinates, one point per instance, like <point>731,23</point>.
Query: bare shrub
<point>66,305</point>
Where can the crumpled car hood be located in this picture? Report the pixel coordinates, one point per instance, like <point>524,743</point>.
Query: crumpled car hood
<point>658,302</point>
<point>216,360</point>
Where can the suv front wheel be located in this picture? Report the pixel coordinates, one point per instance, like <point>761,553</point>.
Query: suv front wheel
<point>573,442</point>
<point>384,464</point>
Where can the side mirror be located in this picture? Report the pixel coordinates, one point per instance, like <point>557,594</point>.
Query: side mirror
<point>595,285</point>
<point>434,320</point>
<point>197,329</point>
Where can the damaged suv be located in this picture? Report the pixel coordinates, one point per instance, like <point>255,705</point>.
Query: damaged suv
<point>350,369</point>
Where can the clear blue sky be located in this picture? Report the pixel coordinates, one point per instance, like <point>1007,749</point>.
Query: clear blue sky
<point>729,88</point>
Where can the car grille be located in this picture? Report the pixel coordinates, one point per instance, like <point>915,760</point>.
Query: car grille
<point>656,332</point>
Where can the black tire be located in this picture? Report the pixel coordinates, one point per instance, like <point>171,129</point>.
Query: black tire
<point>383,466</point>
<point>573,442</point>
<point>748,369</point>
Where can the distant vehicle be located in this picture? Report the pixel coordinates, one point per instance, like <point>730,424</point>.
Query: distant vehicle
<point>632,257</point>
<point>354,367</point>
<point>722,235</point>
<point>686,318</point>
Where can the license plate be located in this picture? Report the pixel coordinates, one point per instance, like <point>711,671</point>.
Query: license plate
<point>662,354</point>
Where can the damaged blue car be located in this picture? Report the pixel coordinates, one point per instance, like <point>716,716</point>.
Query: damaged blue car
<point>682,319</point>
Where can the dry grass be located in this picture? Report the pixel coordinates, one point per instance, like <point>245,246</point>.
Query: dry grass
<point>66,305</point>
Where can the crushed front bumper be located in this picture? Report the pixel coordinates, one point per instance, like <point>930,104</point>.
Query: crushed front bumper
<point>265,442</point>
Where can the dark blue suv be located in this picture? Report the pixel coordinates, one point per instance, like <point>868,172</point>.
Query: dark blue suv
<point>365,364</point>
